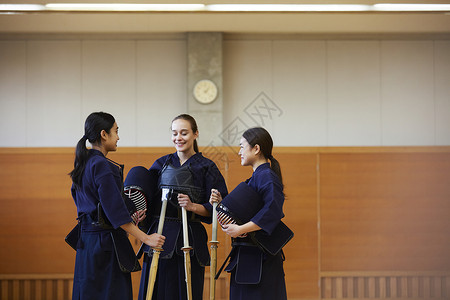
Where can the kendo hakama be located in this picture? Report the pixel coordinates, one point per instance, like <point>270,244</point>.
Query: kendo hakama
<point>170,281</point>
<point>257,274</point>
<point>97,273</point>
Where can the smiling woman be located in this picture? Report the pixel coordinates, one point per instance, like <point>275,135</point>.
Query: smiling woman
<point>184,137</point>
<point>178,274</point>
<point>257,273</point>
<point>103,252</point>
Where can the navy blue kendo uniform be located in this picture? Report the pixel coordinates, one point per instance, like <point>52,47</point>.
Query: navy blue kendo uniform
<point>170,279</point>
<point>97,273</point>
<point>256,274</point>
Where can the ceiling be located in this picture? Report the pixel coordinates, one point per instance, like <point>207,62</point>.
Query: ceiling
<point>300,24</point>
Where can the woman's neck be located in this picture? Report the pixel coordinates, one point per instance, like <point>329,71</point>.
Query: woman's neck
<point>259,162</point>
<point>100,148</point>
<point>184,156</point>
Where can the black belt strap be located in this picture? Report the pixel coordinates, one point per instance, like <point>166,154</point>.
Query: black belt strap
<point>235,242</point>
<point>224,263</point>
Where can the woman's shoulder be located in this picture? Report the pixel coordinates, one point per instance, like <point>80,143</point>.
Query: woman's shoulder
<point>157,164</point>
<point>164,158</point>
<point>203,162</point>
<point>199,156</point>
<point>96,158</point>
<point>99,165</point>
<point>265,174</point>
<point>263,170</point>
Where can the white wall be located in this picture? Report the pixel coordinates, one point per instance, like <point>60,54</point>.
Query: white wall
<point>343,93</point>
<point>48,88</point>
<point>305,92</point>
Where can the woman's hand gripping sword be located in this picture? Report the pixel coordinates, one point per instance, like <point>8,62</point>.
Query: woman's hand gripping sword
<point>166,192</point>
<point>214,243</point>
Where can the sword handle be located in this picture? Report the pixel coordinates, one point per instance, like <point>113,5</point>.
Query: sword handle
<point>162,216</point>
<point>166,192</point>
<point>187,257</point>
<point>185,227</point>
<point>156,251</point>
<point>213,265</point>
<point>214,223</point>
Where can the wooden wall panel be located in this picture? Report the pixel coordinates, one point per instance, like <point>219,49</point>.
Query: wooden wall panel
<point>300,209</point>
<point>352,210</point>
<point>36,212</point>
<point>385,211</point>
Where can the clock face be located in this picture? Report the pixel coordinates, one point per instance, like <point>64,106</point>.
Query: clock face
<point>205,91</point>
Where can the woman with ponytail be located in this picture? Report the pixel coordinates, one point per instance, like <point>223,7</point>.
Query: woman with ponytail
<point>103,248</point>
<point>170,279</point>
<point>256,273</point>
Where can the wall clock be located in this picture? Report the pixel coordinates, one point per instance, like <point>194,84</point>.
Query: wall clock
<point>205,91</point>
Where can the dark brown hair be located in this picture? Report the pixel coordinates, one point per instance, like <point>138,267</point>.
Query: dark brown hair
<point>93,126</point>
<point>193,123</point>
<point>260,136</point>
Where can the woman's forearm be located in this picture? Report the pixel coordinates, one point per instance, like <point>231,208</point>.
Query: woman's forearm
<point>249,227</point>
<point>199,210</point>
<point>153,240</point>
<point>134,231</point>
